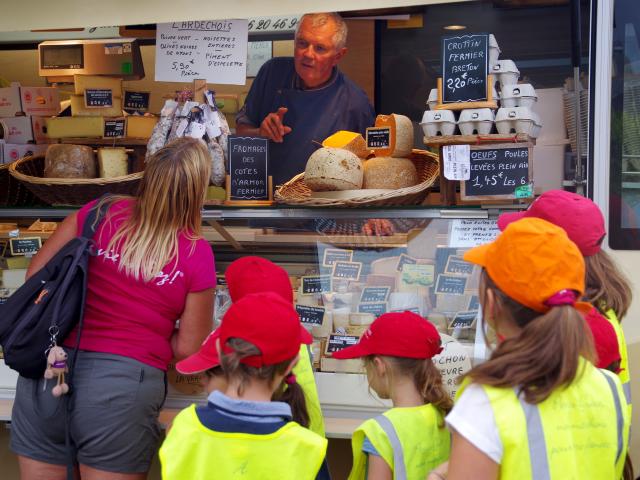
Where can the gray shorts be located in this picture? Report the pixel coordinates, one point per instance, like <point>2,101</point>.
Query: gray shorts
<point>113,417</point>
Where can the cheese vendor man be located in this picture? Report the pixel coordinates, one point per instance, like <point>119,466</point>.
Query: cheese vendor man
<point>299,101</point>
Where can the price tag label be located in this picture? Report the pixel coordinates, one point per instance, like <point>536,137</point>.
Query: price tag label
<point>332,255</point>
<point>25,245</point>
<point>405,260</point>
<point>310,315</point>
<point>316,284</point>
<point>114,128</point>
<point>98,98</point>
<point>378,137</point>
<point>376,308</point>
<point>136,101</point>
<point>375,294</point>
<point>457,162</point>
<point>451,284</point>
<point>464,319</point>
<point>457,265</point>
<point>335,343</point>
<point>347,270</point>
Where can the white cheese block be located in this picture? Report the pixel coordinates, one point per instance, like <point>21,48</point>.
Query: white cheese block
<point>112,162</point>
<point>333,169</point>
<point>361,318</point>
<point>389,172</point>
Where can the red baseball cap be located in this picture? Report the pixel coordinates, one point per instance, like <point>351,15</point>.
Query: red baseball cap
<point>267,321</point>
<point>256,274</point>
<point>396,334</point>
<point>203,359</point>
<point>577,215</point>
<point>604,336</point>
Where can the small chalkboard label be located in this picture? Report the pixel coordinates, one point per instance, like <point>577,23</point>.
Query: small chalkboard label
<point>221,280</point>
<point>114,128</point>
<point>497,172</point>
<point>474,303</point>
<point>375,294</point>
<point>378,137</point>
<point>465,68</point>
<point>347,270</point>
<point>405,260</point>
<point>335,343</point>
<point>25,245</point>
<point>316,284</point>
<point>136,101</point>
<point>464,319</point>
<point>456,264</point>
<point>333,255</point>
<point>310,315</point>
<point>377,308</point>
<point>451,284</point>
<point>248,168</point>
<point>98,98</point>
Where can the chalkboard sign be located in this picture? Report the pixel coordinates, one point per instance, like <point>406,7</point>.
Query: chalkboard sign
<point>136,101</point>
<point>333,255</point>
<point>375,294</point>
<point>405,260</point>
<point>316,284</point>
<point>465,65</point>
<point>114,128</point>
<point>248,179</point>
<point>377,308</point>
<point>497,171</point>
<point>347,270</point>
<point>456,264</point>
<point>98,98</point>
<point>25,245</point>
<point>378,137</point>
<point>464,319</point>
<point>310,315</point>
<point>335,343</point>
<point>451,284</point>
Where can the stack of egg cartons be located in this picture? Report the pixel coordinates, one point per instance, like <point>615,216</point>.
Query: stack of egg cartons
<point>22,114</point>
<point>515,100</point>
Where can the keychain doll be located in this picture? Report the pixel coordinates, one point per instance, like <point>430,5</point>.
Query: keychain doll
<point>57,365</point>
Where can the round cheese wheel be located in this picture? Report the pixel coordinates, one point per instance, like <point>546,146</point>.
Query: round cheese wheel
<point>401,135</point>
<point>390,172</point>
<point>69,161</point>
<point>333,169</point>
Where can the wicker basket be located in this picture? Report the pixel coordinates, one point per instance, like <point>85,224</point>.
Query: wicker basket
<point>296,192</point>
<point>69,191</point>
<point>13,193</point>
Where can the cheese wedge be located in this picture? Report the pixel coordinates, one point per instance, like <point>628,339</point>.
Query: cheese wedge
<point>139,126</point>
<point>68,127</point>
<point>112,162</point>
<point>401,138</point>
<point>99,82</point>
<point>352,141</point>
<point>79,110</point>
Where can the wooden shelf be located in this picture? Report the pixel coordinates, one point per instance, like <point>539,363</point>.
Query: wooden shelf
<point>476,139</point>
<point>124,142</point>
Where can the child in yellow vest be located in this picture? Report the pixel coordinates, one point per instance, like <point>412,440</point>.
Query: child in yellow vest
<point>409,440</point>
<point>241,433</point>
<point>538,409</point>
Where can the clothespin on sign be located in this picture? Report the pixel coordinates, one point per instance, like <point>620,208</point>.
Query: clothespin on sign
<point>199,87</point>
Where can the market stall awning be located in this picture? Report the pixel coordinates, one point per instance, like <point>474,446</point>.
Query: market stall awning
<point>38,14</point>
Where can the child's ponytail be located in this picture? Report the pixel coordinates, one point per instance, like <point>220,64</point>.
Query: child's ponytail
<point>606,286</point>
<point>291,393</point>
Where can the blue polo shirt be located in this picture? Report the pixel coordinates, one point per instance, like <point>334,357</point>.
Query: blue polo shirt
<point>313,114</point>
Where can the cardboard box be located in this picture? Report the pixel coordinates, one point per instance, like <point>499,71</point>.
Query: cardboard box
<point>10,152</point>
<point>21,130</point>
<point>40,101</point>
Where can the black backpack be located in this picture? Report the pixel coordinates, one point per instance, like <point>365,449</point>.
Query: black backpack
<point>49,305</point>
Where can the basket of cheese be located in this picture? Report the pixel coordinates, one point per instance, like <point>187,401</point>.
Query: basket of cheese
<point>345,173</point>
<point>75,175</point>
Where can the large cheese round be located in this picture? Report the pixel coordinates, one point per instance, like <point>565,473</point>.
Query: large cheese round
<point>400,135</point>
<point>390,172</point>
<point>333,169</point>
<point>69,161</point>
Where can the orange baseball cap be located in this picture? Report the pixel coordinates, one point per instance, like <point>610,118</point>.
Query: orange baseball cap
<point>533,262</point>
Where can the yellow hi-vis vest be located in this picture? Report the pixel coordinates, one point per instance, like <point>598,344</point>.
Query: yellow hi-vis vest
<point>304,376</point>
<point>579,432</point>
<point>624,375</point>
<point>192,451</point>
<point>413,441</point>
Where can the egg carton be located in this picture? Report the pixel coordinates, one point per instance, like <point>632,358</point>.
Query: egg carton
<point>494,51</point>
<point>438,122</point>
<point>476,121</point>
<point>505,72</point>
<point>518,120</point>
<point>432,100</point>
<point>519,95</point>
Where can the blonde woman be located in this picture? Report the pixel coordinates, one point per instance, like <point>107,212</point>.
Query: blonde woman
<point>152,268</point>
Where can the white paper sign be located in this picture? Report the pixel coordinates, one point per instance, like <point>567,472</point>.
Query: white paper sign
<point>471,233</point>
<point>214,50</point>
<point>452,362</point>
<point>258,54</point>
<point>457,162</point>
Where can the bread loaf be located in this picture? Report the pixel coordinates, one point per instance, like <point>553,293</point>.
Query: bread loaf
<point>352,141</point>
<point>389,172</point>
<point>333,169</point>
<point>401,137</point>
<point>113,162</point>
<point>69,161</point>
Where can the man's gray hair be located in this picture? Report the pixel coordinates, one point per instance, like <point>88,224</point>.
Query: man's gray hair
<point>319,19</point>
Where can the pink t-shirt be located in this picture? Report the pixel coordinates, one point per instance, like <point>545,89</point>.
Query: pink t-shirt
<point>131,317</point>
